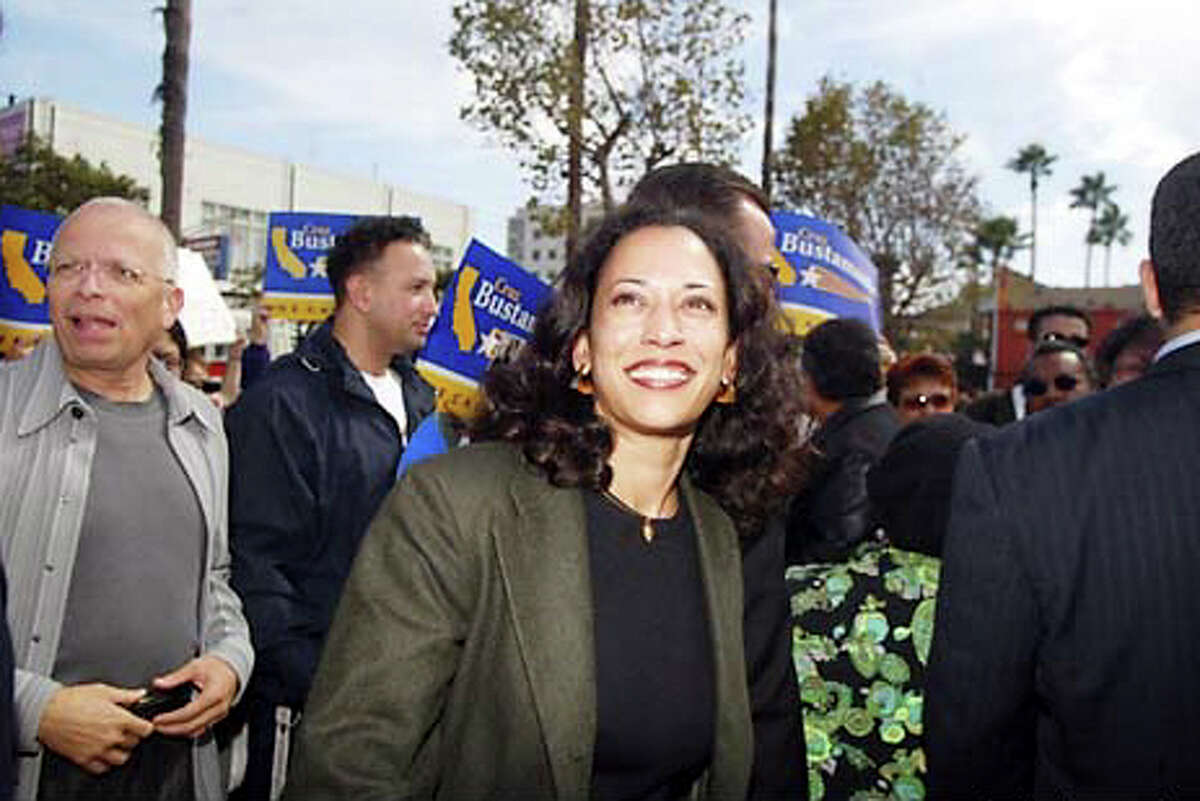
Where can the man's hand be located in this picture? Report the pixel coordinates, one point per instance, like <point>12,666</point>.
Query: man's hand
<point>258,325</point>
<point>218,684</point>
<point>89,725</point>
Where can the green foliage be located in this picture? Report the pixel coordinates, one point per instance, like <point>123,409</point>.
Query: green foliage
<point>1110,228</point>
<point>1034,160</point>
<point>995,241</point>
<point>35,177</point>
<point>886,170</point>
<point>661,83</point>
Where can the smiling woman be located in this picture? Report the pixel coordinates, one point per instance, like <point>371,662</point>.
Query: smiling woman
<point>565,602</point>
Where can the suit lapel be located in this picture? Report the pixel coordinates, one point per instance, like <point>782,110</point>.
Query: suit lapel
<point>544,563</point>
<point>720,566</point>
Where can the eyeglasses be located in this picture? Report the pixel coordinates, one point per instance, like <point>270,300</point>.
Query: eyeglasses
<point>1054,336</point>
<point>1036,387</point>
<point>110,273</point>
<point>938,400</point>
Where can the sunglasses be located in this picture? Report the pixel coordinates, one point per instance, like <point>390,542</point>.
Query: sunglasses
<point>1036,387</point>
<point>938,400</point>
<point>1054,336</point>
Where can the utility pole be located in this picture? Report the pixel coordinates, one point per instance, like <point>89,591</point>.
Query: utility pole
<point>769,113</point>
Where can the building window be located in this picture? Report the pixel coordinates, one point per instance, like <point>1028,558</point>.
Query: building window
<point>537,255</point>
<point>443,257</point>
<point>247,232</point>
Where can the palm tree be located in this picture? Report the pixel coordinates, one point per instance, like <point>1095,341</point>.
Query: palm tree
<point>769,108</point>
<point>575,131</point>
<point>1034,160</point>
<point>177,22</point>
<point>997,240</point>
<point>1092,193</point>
<point>1111,227</point>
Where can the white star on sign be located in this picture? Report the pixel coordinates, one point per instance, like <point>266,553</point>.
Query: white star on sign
<point>811,277</point>
<point>491,343</point>
<point>318,268</point>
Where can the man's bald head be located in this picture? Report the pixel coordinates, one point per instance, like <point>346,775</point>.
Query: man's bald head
<point>133,212</point>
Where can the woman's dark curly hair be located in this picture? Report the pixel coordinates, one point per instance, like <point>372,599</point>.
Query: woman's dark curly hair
<point>747,454</point>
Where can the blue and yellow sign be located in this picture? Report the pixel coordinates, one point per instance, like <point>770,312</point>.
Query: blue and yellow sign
<point>295,284</point>
<point>822,273</point>
<point>488,311</point>
<point>25,239</point>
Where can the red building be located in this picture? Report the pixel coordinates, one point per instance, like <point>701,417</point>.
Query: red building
<point>1017,298</point>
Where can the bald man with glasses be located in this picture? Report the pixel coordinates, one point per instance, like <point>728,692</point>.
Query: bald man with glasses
<point>129,643</point>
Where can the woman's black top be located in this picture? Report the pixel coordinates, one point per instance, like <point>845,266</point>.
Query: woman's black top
<point>655,691</point>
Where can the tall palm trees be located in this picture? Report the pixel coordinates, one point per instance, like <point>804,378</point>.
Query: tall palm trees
<point>1092,193</point>
<point>1034,160</point>
<point>1110,227</point>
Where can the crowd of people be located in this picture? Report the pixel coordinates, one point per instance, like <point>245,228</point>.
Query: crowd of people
<point>682,553</point>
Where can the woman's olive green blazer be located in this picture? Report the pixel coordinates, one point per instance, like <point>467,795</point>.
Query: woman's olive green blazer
<point>460,662</point>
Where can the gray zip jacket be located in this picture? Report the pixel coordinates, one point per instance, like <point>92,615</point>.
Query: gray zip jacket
<point>47,441</point>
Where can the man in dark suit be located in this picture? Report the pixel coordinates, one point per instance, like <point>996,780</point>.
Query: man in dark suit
<point>1066,661</point>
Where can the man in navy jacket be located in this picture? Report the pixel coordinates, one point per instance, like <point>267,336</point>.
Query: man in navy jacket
<point>314,447</point>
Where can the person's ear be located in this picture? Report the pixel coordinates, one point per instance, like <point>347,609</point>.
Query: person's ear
<point>581,353</point>
<point>1150,289</point>
<point>172,303</point>
<point>358,291</point>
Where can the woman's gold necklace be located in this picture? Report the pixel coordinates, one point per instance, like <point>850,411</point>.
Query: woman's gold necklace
<point>647,521</point>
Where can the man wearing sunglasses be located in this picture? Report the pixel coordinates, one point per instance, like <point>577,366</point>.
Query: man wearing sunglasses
<point>1057,373</point>
<point>1058,323</point>
<point>1065,661</point>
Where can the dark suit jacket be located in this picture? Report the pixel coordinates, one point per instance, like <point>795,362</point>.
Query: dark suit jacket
<point>832,514</point>
<point>460,662</point>
<point>1066,653</point>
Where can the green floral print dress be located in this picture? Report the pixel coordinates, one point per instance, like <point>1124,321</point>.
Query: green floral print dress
<point>861,635</point>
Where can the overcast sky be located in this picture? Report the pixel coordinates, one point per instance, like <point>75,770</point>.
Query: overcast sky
<point>366,87</point>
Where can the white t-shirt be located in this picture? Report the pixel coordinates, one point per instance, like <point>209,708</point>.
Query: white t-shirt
<point>390,396</point>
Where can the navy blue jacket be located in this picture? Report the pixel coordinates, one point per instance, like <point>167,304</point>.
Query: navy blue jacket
<point>312,455</point>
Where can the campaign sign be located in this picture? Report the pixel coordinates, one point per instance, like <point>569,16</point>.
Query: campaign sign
<point>295,284</point>
<point>487,312</point>
<point>25,238</point>
<point>822,273</point>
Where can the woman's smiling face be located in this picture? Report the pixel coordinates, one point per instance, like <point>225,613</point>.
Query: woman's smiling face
<point>657,341</point>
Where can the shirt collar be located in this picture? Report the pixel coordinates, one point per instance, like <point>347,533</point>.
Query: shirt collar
<point>1175,343</point>
<point>53,392</point>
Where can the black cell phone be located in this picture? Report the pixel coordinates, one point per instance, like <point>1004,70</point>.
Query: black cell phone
<point>155,701</point>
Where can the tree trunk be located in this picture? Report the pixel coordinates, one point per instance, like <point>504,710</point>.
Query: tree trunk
<point>886,263</point>
<point>177,22</point>
<point>1087,263</point>
<point>575,132</point>
<point>1033,227</point>
<point>769,111</point>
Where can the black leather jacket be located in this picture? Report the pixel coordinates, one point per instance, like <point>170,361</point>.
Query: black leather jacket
<point>833,513</point>
<point>312,456</point>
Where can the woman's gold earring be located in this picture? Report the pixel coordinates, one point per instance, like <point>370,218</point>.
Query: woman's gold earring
<point>728,393</point>
<point>582,382</point>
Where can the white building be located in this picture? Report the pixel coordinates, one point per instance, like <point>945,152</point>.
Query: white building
<point>537,251</point>
<point>229,191</point>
